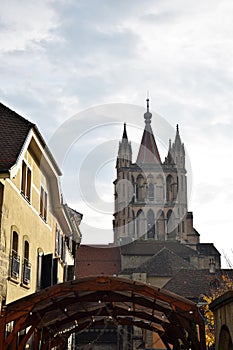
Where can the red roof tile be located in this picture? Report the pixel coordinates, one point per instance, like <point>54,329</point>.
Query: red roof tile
<point>91,261</point>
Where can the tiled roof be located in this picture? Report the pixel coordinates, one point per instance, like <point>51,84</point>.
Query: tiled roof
<point>152,247</point>
<point>13,133</point>
<point>192,284</point>
<point>92,261</point>
<point>207,249</point>
<point>164,263</point>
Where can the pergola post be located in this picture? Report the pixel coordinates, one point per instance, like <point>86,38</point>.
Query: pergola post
<point>202,336</point>
<point>2,327</point>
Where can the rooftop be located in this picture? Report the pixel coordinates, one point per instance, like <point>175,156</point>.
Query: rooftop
<point>13,133</point>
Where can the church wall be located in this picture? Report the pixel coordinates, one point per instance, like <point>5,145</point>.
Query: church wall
<point>204,261</point>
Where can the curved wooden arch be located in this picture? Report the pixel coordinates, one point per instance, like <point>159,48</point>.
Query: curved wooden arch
<point>51,315</point>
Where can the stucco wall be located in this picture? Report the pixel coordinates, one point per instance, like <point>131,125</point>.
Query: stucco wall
<point>22,216</point>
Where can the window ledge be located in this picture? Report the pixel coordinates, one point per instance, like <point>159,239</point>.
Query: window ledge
<point>13,279</point>
<point>26,286</point>
<point>42,218</point>
<point>26,199</point>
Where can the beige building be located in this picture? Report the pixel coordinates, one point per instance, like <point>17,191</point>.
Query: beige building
<point>38,233</point>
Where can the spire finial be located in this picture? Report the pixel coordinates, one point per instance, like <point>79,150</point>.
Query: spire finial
<point>125,132</point>
<point>147,115</point>
<point>147,101</point>
<point>147,104</point>
<point>177,127</point>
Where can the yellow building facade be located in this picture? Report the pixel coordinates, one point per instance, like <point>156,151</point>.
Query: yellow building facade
<point>38,233</point>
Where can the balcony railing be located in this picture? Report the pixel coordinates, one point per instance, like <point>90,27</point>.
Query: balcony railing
<point>26,272</point>
<point>15,264</point>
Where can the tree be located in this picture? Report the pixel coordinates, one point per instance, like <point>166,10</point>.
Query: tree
<point>225,285</point>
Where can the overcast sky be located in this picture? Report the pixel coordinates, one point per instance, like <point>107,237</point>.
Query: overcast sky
<point>60,58</point>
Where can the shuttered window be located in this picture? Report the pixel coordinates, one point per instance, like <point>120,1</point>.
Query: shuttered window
<point>43,203</point>
<point>26,180</point>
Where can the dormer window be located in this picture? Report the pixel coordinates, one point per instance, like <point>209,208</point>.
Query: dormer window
<point>26,181</point>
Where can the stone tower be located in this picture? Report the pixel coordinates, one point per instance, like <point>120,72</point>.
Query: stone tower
<point>151,195</point>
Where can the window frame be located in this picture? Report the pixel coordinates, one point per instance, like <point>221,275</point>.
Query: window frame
<point>43,203</point>
<point>26,181</point>
<point>14,257</point>
<point>26,267</point>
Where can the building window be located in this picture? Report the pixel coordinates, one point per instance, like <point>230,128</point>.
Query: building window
<point>26,181</point>
<point>43,203</point>
<point>60,245</point>
<point>151,192</point>
<point>15,259</point>
<point>151,224</point>
<point>183,228</point>
<point>57,243</point>
<point>26,264</point>
<point>169,188</point>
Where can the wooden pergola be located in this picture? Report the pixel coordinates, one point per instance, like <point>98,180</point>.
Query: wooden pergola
<point>47,318</point>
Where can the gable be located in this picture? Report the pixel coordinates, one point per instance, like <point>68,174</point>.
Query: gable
<point>14,130</point>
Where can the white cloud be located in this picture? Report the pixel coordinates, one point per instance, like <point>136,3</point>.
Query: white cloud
<point>60,57</point>
<point>26,23</point>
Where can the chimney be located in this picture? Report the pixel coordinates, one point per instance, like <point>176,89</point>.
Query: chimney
<point>212,266</point>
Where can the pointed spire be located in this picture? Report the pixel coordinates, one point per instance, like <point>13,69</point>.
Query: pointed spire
<point>177,138</point>
<point>125,133</point>
<point>170,145</point>
<point>124,151</point>
<point>169,159</point>
<point>148,151</point>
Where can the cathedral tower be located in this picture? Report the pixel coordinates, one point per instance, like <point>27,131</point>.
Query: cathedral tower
<point>151,195</point>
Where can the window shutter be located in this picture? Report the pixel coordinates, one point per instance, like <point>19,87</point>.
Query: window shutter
<point>23,181</point>
<point>55,271</point>
<point>29,177</point>
<point>46,273</point>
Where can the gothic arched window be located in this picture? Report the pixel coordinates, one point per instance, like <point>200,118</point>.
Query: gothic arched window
<point>151,192</point>
<point>159,194</point>
<point>140,188</point>
<point>169,189</point>
<point>160,225</point>
<point>150,224</point>
<point>170,223</point>
<point>140,224</point>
